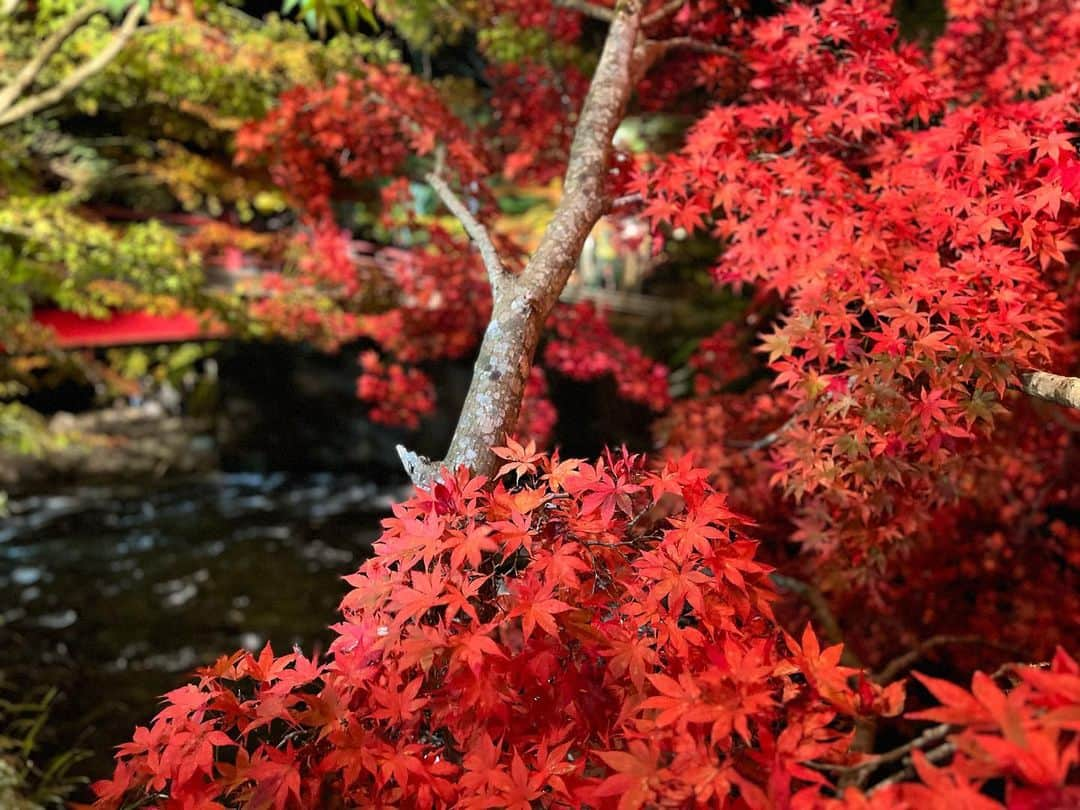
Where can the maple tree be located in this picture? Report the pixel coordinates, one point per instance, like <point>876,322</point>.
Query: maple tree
<point>546,639</point>
<point>900,226</point>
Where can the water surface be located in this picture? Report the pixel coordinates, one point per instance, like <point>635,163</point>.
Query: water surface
<point>115,594</point>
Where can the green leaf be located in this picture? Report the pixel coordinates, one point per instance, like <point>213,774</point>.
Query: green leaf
<point>115,8</point>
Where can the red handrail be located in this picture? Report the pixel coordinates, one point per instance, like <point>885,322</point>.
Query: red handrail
<point>124,328</point>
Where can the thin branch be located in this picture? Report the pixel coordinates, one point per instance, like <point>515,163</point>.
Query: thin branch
<point>81,74</point>
<point>626,199</point>
<point>889,672</point>
<point>588,9</point>
<point>662,46</point>
<point>650,51</point>
<point>496,270</point>
<point>931,735</point>
<point>32,69</point>
<point>1052,387</point>
<point>934,755</point>
<point>766,440</point>
<point>662,13</point>
<point>765,157</point>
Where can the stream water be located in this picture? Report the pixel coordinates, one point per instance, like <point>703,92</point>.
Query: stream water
<point>113,595</point>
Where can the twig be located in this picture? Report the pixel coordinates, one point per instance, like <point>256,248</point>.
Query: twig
<point>1004,669</point>
<point>893,668</point>
<point>626,199</point>
<point>78,76</point>
<point>764,441</point>
<point>765,157</point>
<point>496,270</point>
<point>650,51</point>
<point>662,13</point>
<point>588,9</point>
<point>662,46</point>
<point>931,735</point>
<point>934,755</point>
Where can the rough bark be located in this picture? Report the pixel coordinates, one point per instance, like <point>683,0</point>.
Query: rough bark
<point>1053,388</point>
<point>522,303</point>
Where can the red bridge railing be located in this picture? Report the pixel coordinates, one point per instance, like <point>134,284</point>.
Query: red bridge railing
<point>123,328</point>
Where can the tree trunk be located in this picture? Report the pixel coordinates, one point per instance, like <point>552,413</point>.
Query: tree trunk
<point>522,303</point>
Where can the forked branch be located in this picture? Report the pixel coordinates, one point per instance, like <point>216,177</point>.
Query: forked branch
<point>32,69</point>
<point>505,357</point>
<point>12,110</point>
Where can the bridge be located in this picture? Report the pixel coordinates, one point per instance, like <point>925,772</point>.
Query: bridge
<point>122,328</point>
<point>141,328</point>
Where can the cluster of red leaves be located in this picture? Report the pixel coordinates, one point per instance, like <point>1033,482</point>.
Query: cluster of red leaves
<point>354,129</point>
<point>561,23</point>
<point>730,434</point>
<point>431,300</point>
<point>1011,576</point>
<point>291,306</point>
<point>583,347</point>
<point>675,81</point>
<point>537,640</point>
<point>916,249</point>
<point>1003,49</point>
<point>327,260</point>
<point>441,298</point>
<point>398,395</point>
<point>1022,744</point>
<point>547,639</point>
<point>533,109</point>
<point>721,359</point>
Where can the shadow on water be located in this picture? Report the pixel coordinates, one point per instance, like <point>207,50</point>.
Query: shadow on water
<point>115,594</point>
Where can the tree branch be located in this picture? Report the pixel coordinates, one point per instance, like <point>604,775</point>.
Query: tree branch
<point>588,9</point>
<point>32,69</point>
<point>931,735</point>
<point>889,672</point>
<point>496,270</point>
<point>662,13</point>
<point>77,77</point>
<point>1052,387</point>
<point>864,769</point>
<point>934,755</point>
<point>661,47</point>
<point>502,366</point>
<point>768,439</point>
